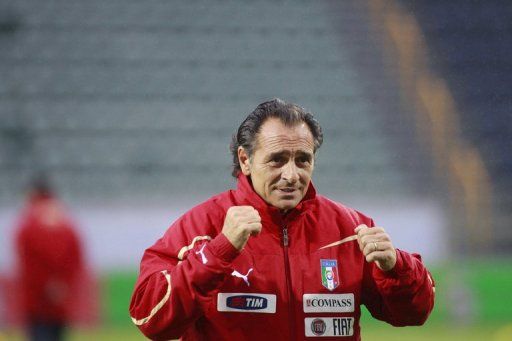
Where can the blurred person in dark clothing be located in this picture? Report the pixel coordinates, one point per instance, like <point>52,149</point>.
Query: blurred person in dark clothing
<point>50,261</point>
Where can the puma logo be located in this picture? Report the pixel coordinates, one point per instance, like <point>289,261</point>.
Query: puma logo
<point>201,252</point>
<point>244,277</point>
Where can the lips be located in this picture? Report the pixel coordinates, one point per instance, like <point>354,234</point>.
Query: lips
<point>287,190</point>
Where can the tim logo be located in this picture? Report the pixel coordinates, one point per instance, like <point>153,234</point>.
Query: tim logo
<point>247,302</point>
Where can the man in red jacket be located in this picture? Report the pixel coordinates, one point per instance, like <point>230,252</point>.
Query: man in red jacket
<point>273,260</point>
<point>50,262</point>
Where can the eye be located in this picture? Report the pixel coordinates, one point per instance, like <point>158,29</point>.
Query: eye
<point>277,159</point>
<point>303,159</point>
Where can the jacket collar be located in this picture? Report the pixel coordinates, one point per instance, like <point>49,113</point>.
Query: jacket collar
<point>246,195</point>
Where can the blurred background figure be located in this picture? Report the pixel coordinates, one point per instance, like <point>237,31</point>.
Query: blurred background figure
<point>50,263</point>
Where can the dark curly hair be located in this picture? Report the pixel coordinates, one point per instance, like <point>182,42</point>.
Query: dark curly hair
<point>290,114</point>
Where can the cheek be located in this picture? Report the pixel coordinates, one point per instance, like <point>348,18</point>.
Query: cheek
<point>265,176</point>
<point>273,176</point>
<point>270,177</point>
<point>305,174</point>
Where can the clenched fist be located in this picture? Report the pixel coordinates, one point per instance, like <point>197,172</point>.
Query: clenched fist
<point>240,223</point>
<point>376,246</point>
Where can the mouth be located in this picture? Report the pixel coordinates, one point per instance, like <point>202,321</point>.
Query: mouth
<point>287,190</point>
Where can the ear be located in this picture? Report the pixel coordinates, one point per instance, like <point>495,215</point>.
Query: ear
<point>243,159</point>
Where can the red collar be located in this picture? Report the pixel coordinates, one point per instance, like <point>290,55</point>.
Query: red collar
<point>246,195</point>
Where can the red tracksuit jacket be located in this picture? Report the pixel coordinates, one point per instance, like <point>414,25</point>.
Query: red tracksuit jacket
<point>195,285</point>
<point>50,262</point>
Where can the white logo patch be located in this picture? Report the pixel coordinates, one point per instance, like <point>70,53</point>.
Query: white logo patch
<point>201,252</point>
<point>328,303</point>
<point>246,302</point>
<point>329,326</point>
<point>244,277</point>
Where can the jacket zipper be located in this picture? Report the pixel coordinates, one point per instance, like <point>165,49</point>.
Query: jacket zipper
<point>291,310</point>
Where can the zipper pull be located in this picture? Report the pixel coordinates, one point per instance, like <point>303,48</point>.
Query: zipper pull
<point>285,236</point>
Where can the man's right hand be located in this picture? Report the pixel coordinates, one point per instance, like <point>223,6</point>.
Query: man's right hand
<point>240,223</point>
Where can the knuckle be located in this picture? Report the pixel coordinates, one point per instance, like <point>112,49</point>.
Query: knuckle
<point>369,231</point>
<point>381,236</point>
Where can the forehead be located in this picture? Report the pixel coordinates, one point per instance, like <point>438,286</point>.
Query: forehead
<point>274,136</point>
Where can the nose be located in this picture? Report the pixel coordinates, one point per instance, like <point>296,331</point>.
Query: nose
<point>290,173</point>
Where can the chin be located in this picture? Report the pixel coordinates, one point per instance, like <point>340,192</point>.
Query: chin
<point>288,205</point>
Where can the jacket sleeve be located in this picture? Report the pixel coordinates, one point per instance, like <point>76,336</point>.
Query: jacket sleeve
<point>403,296</point>
<point>178,276</point>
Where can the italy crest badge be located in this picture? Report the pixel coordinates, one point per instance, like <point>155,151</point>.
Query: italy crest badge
<point>329,271</point>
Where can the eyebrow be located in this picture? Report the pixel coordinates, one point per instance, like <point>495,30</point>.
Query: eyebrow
<point>304,153</point>
<point>277,154</point>
<point>286,153</point>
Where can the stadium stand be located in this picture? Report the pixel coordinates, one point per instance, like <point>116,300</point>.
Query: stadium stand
<point>131,98</point>
<point>471,46</point>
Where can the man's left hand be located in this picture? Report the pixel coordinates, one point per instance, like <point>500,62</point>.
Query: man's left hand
<point>376,246</point>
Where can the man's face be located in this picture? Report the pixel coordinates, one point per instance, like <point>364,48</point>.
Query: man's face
<point>282,163</point>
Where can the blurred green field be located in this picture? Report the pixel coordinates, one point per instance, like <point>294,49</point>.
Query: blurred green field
<point>473,303</point>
